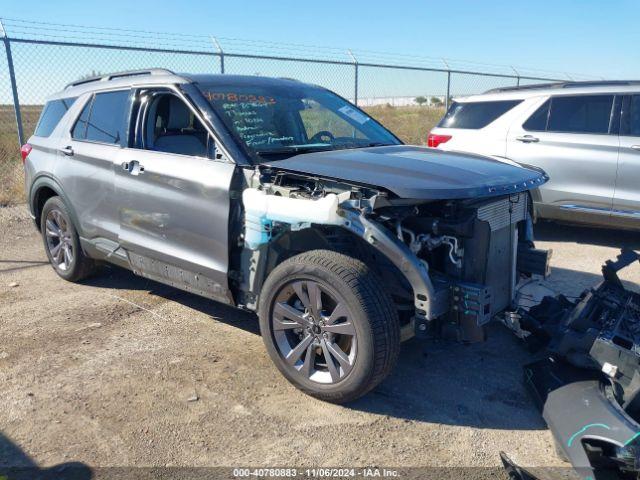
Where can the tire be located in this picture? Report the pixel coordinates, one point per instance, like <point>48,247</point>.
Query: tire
<point>356,315</point>
<point>59,234</point>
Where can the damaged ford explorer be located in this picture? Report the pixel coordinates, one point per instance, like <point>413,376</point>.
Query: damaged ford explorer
<point>285,199</point>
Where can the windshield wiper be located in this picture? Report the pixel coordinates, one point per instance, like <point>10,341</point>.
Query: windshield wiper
<point>297,149</point>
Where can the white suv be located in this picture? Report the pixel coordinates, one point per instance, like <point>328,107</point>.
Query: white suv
<point>585,135</point>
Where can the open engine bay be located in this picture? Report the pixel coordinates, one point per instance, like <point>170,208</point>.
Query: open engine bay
<point>451,265</point>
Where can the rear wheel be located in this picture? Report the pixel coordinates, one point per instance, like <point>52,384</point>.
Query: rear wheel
<point>62,244</point>
<point>329,325</point>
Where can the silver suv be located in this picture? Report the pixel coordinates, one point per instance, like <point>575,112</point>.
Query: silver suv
<point>585,135</point>
<point>285,199</point>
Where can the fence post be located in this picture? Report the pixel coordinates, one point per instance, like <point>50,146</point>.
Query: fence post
<point>446,100</point>
<point>221,52</point>
<point>355,66</point>
<point>517,75</point>
<point>14,86</point>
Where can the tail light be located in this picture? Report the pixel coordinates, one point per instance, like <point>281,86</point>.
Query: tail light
<point>25,150</point>
<point>433,140</point>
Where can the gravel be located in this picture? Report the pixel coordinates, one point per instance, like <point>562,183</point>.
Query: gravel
<point>122,371</point>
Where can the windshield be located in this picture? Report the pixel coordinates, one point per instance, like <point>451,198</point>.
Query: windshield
<point>281,121</point>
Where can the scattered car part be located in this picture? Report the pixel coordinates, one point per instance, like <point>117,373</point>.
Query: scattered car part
<point>588,385</point>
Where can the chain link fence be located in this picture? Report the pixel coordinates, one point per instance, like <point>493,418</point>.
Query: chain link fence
<point>405,93</point>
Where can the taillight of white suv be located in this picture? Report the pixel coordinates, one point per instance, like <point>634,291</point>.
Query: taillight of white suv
<point>25,150</point>
<point>433,140</point>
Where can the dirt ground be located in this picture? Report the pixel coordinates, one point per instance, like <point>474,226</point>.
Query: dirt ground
<point>121,371</point>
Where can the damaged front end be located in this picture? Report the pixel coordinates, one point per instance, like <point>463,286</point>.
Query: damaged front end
<point>449,265</point>
<point>588,384</point>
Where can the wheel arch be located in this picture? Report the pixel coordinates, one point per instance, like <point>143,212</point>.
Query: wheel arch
<point>404,277</point>
<point>42,189</point>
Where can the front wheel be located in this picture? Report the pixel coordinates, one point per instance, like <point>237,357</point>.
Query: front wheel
<point>329,325</point>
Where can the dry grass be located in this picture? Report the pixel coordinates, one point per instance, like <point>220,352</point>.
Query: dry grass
<point>11,170</point>
<point>410,124</point>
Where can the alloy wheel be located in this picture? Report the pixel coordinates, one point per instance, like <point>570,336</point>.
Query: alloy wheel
<point>314,332</point>
<point>59,240</point>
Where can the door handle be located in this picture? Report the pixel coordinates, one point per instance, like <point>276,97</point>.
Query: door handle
<point>133,167</point>
<point>68,151</point>
<point>527,139</point>
<point>635,147</point>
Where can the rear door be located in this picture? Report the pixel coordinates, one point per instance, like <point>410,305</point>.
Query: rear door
<point>626,203</point>
<point>85,169</point>
<point>575,140</point>
<point>173,197</point>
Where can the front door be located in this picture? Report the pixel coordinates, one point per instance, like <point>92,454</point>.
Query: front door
<point>572,139</point>
<point>174,197</point>
<point>626,202</point>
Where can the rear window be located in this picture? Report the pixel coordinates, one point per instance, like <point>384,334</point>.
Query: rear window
<point>103,118</point>
<point>580,114</point>
<point>631,121</point>
<point>538,121</point>
<point>473,115</point>
<point>51,115</point>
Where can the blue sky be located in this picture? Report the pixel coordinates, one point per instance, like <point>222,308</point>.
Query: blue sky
<point>590,37</point>
<point>599,39</point>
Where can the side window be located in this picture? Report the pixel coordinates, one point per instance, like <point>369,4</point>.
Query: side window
<point>475,115</point>
<point>171,127</point>
<point>538,121</point>
<point>107,120</point>
<point>79,131</point>
<point>581,114</point>
<point>103,118</point>
<point>633,118</point>
<point>51,115</point>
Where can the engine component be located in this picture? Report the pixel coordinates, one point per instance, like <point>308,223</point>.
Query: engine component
<point>261,210</point>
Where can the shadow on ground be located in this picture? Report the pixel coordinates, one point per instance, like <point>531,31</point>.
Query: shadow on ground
<point>15,464</point>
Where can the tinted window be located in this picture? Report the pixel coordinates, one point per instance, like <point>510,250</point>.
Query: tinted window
<point>51,114</point>
<point>634,116</point>
<point>583,114</point>
<point>475,114</point>
<point>106,123</point>
<point>80,128</point>
<point>538,121</point>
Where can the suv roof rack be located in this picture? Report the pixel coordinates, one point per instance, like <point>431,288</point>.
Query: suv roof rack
<point>586,83</point>
<point>125,73</point>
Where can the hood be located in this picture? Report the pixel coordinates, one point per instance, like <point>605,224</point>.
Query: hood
<point>418,172</point>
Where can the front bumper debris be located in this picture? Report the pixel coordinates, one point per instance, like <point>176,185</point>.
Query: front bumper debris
<point>588,383</point>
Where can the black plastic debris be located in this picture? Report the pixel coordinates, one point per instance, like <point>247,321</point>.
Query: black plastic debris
<point>587,384</point>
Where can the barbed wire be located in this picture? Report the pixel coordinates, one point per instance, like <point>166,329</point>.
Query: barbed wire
<point>19,28</point>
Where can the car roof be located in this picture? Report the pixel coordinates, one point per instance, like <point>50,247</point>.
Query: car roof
<point>557,88</point>
<point>157,76</point>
